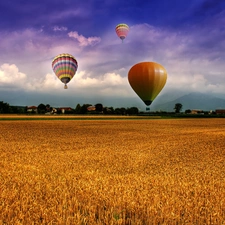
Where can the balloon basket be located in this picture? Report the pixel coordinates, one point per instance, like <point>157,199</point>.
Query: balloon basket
<point>147,108</point>
<point>65,87</point>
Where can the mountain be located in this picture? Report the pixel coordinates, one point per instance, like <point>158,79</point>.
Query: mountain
<point>193,100</point>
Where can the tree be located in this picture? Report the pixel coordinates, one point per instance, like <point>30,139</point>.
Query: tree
<point>77,109</point>
<point>132,111</point>
<point>48,108</point>
<point>4,107</point>
<point>178,107</point>
<point>99,108</point>
<point>15,109</point>
<point>187,111</point>
<point>120,111</point>
<point>41,108</point>
<point>108,110</point>
<point>83,109</point>
<point>123,111</point>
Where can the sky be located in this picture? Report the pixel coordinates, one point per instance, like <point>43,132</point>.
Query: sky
<point>186,37</point>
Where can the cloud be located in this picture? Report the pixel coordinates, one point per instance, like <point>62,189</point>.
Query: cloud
<point>57,28</point>
<point>192,60</point>
<point>108,79</point>
<point>83,41</point>
<point>11,77</point>
<point>83,84</point>
<point>109,84</point>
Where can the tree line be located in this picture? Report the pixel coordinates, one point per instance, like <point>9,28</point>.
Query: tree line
<point>83,109</point>
<point>5,108</point>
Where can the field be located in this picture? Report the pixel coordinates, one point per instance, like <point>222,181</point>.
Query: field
<point>112,171</point>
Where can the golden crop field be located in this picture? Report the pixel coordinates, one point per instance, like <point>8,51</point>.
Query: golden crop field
<point>133,172</point>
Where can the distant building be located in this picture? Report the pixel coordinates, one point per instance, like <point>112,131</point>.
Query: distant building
<point>54,111</point>
<point>220,111</point>
<point>91,108</point>
<point>32,109</point>
<point>65,109</point>
<point>197,111</point>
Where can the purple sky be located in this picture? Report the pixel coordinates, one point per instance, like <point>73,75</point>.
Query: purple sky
<point>186,37</point>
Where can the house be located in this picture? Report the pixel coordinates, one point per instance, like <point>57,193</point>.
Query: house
<point>32,109</point>
<point>54,111</point>
<point>65,109</point>
<point>91,108</point>
<point>220,111</point>
<point>197,111</point>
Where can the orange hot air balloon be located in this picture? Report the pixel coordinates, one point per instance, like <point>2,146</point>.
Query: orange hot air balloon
<point>147,79</point>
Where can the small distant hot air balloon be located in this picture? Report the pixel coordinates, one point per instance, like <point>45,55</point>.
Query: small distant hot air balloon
<point>65,66</point>
<point>122,30</point>
<point>147,79</point>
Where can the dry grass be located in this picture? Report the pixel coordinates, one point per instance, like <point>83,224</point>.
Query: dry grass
<point>112,172</point>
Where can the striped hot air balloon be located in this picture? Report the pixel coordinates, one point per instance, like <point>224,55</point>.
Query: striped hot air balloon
<point>122,30</point>
<point>65,67</point>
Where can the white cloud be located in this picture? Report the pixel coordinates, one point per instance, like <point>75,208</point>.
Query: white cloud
<point>49,82</point>
<point>114,79</point>
<point>103,69</point>
<point>83,41</point>
<point>106,80</point>
<point>83,83</point>
<point>83,80</point>
<point>109,84</point>
<point>9,74</point>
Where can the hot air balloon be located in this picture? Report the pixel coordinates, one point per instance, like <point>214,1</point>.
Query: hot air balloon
<point>122,30</point>
<point>147,79</point>
<point>65,66</point>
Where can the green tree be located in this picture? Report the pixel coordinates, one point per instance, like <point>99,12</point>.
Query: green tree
<point>48,108</point>
<point>120,111</point>
<point>4,107</point>
<point>77,109</point>
<point>178,107</point>
<point>99,108</point>
<point>132,111</point>
<point>108,110</point>
<point>187,111</point>
<point>14,109</point>
<point>83,109</point>
<point>41,108</point>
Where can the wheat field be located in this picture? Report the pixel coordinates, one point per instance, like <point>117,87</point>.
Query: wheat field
<point>133,172</point>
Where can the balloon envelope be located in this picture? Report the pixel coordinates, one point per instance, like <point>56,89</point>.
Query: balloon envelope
<point>122,30</point>
<point>65,66</point>
<point>147,79</point>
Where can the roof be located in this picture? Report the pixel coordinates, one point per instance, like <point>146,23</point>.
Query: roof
<point>65,108</point>
<point>32,107</point>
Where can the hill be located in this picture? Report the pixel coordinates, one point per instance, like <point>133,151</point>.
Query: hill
<point>193,100</point>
